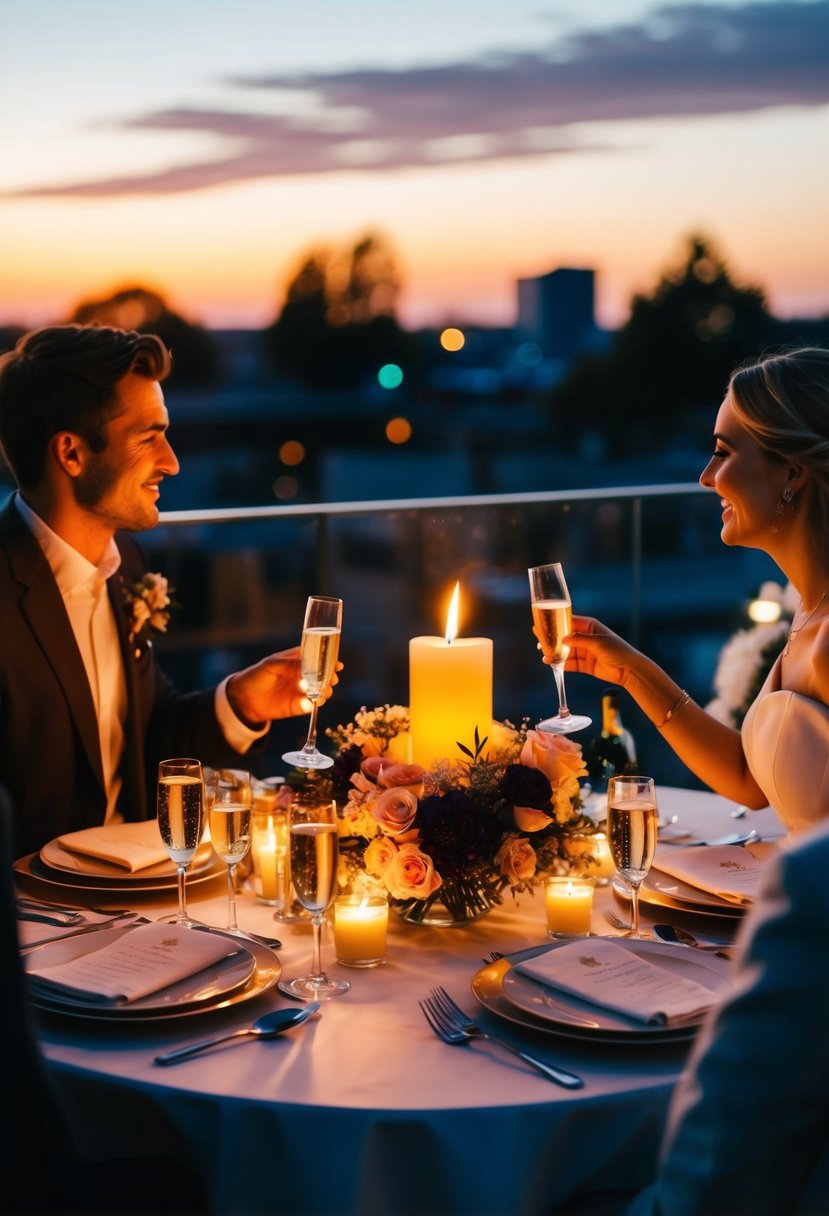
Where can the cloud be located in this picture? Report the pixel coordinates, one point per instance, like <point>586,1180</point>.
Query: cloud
<point>692,60</point>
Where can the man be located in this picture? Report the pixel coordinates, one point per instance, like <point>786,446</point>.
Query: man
<point>85,711</point>
<point>748,1127</point>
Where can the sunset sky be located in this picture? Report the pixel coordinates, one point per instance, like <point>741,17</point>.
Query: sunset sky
<point>200,147</point>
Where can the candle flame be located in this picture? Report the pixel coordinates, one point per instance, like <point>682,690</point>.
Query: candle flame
<point>452,615</point>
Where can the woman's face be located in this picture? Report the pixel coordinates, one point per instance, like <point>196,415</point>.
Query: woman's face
<point>748,481</point>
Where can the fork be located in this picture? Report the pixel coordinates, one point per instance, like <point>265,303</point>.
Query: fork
<point>453,1026</point>
<point>617,922</point>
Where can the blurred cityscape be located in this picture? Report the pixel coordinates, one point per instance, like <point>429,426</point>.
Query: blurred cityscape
<point>454,454</point>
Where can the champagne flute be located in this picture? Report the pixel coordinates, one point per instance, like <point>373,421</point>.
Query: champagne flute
<point>180,812</point>
<point>317,660</point>
<point>631,831</point>
<point>552,616</point>
<point>229,799</point>
<point>313,836</point>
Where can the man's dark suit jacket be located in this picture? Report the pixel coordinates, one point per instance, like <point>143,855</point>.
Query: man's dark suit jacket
<point>50,757</point>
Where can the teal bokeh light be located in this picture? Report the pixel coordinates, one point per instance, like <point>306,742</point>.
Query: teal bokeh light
<point>390,376</point>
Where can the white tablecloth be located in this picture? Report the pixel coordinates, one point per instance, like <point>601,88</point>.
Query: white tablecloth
<point>364,1111</point>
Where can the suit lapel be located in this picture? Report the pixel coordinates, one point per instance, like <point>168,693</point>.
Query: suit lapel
<point>133,800</point>
<point>42,606</point>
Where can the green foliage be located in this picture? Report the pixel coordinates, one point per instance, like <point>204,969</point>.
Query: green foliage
<point>337,326</point>
<point>196,359</point>
<point>668,366</point>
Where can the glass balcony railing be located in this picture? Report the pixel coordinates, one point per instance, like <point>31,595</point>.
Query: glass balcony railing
<point>647,560</point>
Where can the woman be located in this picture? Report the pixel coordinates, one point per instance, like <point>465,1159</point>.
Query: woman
<point>770,467</point>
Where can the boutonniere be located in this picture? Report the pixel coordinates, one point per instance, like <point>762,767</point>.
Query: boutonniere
<point>150,603</point>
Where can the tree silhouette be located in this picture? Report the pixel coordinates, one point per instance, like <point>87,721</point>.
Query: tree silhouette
<point>667,367</point>
<point>196,358</point>
<point>337,326</point>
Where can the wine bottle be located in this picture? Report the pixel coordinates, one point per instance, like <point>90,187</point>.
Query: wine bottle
<point>613,752</point>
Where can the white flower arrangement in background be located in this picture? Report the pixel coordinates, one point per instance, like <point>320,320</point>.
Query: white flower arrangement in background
<point>747,657</point>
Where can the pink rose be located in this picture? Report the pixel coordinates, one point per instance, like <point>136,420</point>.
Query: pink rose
<point>517,859</point>
<point>395,810</point>
<point>528,819</point>
<point>372,766</point>
<point>558,758</point>
<point>379,855</point>
<point>411,874</point>
<point>410,775</point>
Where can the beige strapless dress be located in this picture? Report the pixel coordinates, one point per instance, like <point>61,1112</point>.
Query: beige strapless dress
<point>786,742</point>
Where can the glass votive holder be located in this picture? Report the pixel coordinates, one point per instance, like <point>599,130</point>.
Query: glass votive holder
<point>360,926</point>
<point>569,905</point>
<point>589,854</point>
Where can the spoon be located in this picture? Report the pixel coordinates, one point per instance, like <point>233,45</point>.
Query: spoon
<point>267,1027</point>
<point>670,933</point>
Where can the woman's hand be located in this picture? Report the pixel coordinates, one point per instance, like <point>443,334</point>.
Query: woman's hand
<point>597,651</point>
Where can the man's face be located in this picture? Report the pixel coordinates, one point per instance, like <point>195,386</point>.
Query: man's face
<point>120,485</point>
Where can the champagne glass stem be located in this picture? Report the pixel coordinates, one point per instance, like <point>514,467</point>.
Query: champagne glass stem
<point>558,673</point>
<point>634,912</point>
<point>317,973</point>
<point>231,897</point>
<point>311,741</point>
<point>181,873</point>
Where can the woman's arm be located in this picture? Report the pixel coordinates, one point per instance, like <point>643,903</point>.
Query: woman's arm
<point>713,751</point>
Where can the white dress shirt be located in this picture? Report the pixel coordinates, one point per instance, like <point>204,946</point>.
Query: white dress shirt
<point>83,588</point>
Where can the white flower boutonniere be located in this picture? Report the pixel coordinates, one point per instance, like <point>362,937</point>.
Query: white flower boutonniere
<point>150,603</point>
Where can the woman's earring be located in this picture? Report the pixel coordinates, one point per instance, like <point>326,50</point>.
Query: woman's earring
<point>786,496</point>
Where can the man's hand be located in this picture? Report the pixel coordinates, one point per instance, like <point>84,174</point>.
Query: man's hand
<point>271,689</point>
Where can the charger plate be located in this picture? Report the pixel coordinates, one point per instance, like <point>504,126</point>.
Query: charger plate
<point>32,866</point>
<point>667,892</point>
<point>247,975</point>
<point>509,994</point>
<point>55,857</point>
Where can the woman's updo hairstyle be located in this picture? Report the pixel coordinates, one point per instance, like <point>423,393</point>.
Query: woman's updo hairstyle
<point>782,400</point>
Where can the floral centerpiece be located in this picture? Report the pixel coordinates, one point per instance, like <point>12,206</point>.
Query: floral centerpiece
<point>445,842</point>
<point>746,658</point>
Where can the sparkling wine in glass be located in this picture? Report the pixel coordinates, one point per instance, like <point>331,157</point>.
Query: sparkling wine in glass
<point>317,660</point>
<point>230,799</point>
<point>180,813</point>
<point>552,616</point>
<point>313,837</point>
<point>632,820</point>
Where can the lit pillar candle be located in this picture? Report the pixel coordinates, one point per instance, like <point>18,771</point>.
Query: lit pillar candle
<point>569,903</point>
<point>450,692</point>
<point>269,846</point>
<point>360,927</point>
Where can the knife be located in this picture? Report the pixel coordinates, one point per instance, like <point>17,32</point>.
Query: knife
<point>101,924</point>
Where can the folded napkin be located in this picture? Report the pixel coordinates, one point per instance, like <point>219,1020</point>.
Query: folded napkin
<point>134,846</point>
<point>138,963</point>
<point>607,974</point>
<point>725,870</point>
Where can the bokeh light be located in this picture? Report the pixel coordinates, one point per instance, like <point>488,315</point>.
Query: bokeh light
<point>291,452</point>
<point>285,487</point>
<point>398,430</point>
<point>390,375</point>
<point>764,611</point>
<point>452,339</point>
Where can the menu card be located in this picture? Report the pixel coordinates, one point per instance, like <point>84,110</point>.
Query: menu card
<point>142,961</point>
<point>607,974</point>
<point>134,846</point>
<point>725,870</point>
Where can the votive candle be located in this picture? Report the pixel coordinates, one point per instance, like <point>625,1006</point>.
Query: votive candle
<point>360,926</point>
<point>569,905</point>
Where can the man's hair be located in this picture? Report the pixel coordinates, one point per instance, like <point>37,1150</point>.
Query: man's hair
<point>64,378</point>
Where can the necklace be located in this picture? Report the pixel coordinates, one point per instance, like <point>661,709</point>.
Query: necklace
<point>796,629</point>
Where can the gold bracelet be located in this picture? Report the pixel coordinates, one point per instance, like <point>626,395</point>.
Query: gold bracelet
<point>686,696</point>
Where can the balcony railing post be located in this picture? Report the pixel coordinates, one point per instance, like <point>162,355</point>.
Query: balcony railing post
<point>635,628</point>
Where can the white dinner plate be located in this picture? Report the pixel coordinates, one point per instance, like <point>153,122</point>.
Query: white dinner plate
<point>32,866</point>
<point>503,990</point>
<point>666,891</point>
<point>55,857</point>
<point>250,973</point>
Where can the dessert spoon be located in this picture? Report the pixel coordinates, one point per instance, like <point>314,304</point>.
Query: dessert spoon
<point>267,1027</point>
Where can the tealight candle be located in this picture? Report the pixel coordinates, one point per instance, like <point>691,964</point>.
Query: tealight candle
<point>591,856</point>
<point>450,692</point>
<point>569,904</point>
<point>269,848</point>
<point>360,926</point>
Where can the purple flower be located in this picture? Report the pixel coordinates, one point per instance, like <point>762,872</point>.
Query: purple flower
<point>524,786</point>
